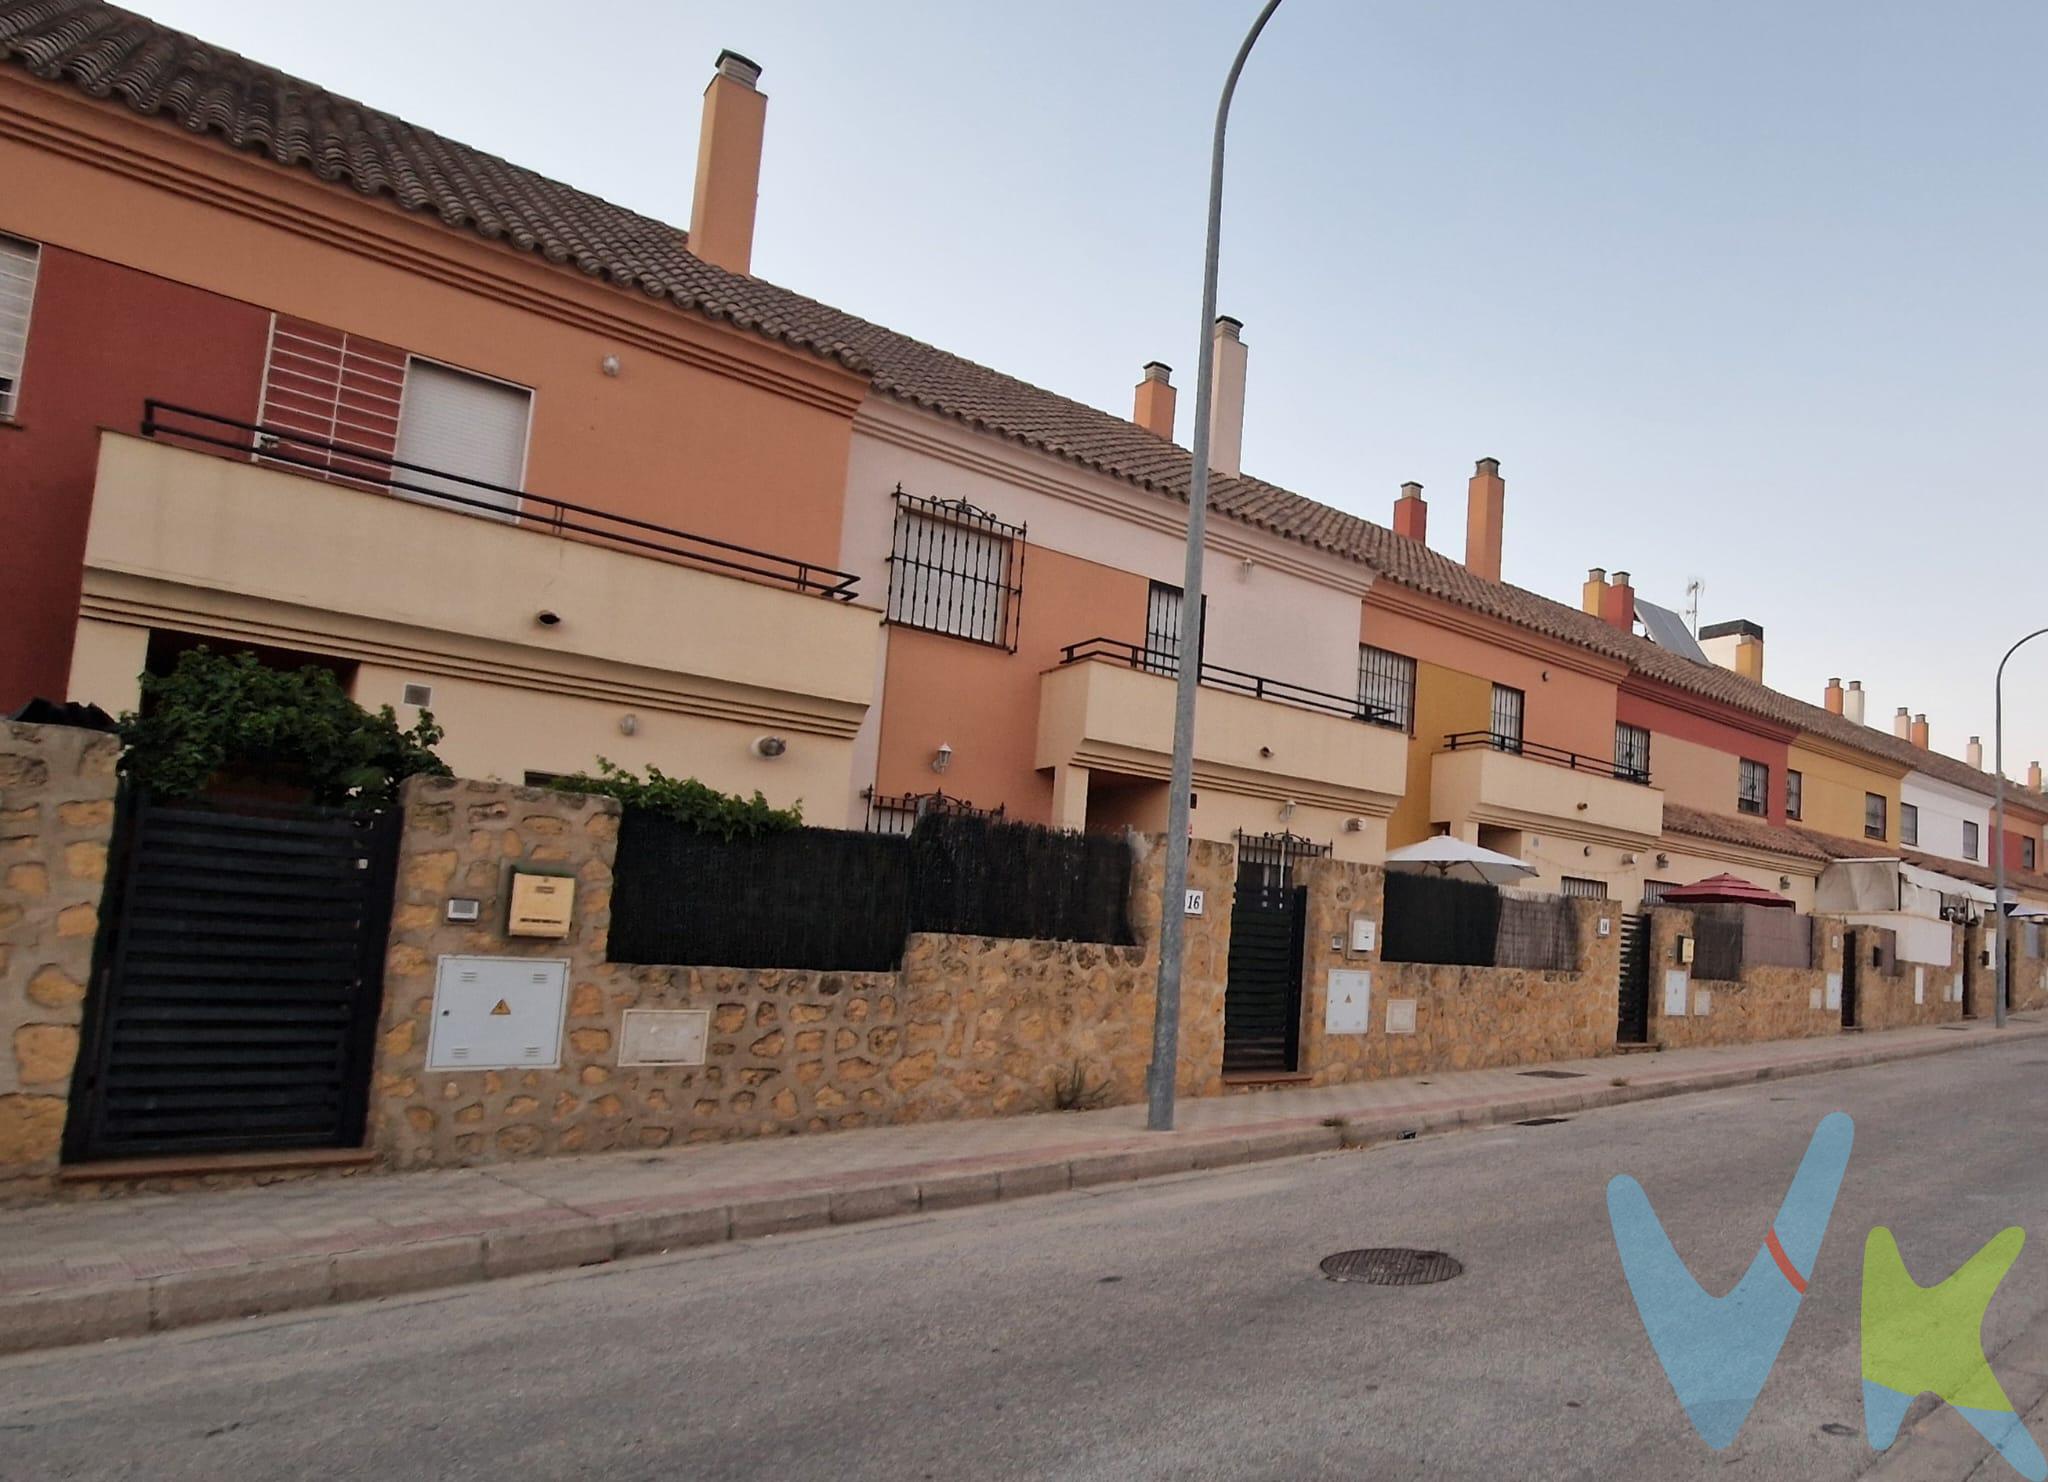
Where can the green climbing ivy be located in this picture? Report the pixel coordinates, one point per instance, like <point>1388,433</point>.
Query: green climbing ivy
<point>687,801</point>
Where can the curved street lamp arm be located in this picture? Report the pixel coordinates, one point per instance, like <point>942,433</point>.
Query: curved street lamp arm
<point>2002,977</point>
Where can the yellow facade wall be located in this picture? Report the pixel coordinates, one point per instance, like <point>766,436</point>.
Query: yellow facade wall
<point>1446,701</point>
<point>1832,791</point>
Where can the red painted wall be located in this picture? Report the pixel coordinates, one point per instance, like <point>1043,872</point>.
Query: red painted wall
<point>101,339</point>
<point>1638,708</point>
<point>2015,831</point>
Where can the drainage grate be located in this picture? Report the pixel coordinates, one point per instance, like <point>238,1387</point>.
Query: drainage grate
<point>1958,1028</point>
<point>1392,1265</point>
<point>1555,1075</point>
<point>1542,1121</point>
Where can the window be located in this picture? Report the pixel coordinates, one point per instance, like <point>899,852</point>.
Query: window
<point>1874,822</point>
<point>1583,889</point>
<point>1162,628</point>
<point>2027,854</point>
<point>1795,793</point>
<point>1386,686</point>
<point>1909,823</point>
<point>466,425</point>
<point>1631,752</point>
<point>18,260</point>
<point>1753,788</point>
<point>955,570</point>
<point>1653,891</point>
<point>1507,718</point>
<point>1969,840</point>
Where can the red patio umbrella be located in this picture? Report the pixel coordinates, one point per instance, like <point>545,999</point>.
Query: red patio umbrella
<point>1723,890</point>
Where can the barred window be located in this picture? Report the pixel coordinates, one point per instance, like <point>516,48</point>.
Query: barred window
<point>1581,888</point>
<point>1909,823</point>
<point>2027,854</point>
<point>1753,788</point>
<point>955,569</point>
<point>1653,891</point>
<point>1163,604</point>
<point>1631,752</point>
<point>1507,718</point>
<point>1386,686</point>
<point>1795,794</point>
<point>1874,826</point>
<point>1969,840</point>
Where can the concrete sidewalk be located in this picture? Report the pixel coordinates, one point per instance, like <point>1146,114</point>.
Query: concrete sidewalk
<point>72,1273</point>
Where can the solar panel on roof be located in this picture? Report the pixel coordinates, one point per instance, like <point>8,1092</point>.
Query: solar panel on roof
<point>1668,631</point>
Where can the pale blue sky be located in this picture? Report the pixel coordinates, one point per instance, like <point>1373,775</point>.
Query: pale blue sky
<point>1744,290</point>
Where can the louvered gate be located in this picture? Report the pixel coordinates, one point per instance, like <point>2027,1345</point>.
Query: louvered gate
<point>237,982</point>
<point>1262,997</point>
<point>1632,1015</point>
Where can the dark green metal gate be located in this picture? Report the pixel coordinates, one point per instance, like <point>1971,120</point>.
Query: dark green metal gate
<point>1262,998</point>
<point>237,980</point>
<point>1632,1016</point>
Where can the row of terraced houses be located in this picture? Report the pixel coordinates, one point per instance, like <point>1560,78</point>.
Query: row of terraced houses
<point>279,371</point>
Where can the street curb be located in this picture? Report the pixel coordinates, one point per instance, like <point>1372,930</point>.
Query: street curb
<point>575,1238</point>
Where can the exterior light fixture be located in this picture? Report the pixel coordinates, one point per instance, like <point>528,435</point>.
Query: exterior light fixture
<point>1354,825</point>
<point>609,365</point>
<point>547,617</point>
<point>769,747</point>
<point>1287,810</point>
<point>628,724</point>
<point>943,757</point>
<point>1663,861</point>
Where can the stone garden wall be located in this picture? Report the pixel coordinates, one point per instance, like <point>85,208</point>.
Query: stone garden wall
<point>1464,1018</point>
<point>56,820</point>
<point>1902,994</point>
<point>1766,1002</point>
<point>968,1027</point>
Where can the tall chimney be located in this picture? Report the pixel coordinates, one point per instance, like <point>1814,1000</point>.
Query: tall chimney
<point>1593,595</point>
<point>729,165</point>
<point>1485,499</point>
<point>1154,409</point>
<point>1618,604</point>
<point>1226,399</point>
<point>1737,645</point>
<point>1411,514</point>
<point>1902,723</point>
<point>1974,752</point>
<point>1832,696</point>
<point>2034,776</point>
<point>1852,701</point>
<point>1918,736</point>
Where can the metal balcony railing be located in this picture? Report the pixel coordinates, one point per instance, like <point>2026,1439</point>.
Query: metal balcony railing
<point>1159,661</point>
<point>368,468</point>
<point>1551,755</point>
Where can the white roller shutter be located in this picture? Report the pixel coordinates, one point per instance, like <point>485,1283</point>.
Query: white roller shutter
<point>458,423</point>
<point>17,293</point>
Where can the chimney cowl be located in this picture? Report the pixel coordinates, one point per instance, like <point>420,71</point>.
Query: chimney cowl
<point>1158,370</point>
<point>1228,327</point>
<point>743,70</point>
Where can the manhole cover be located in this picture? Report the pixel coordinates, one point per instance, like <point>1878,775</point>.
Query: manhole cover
<point>1542,1121</point>
<point>1555,1075</point>
<point>1392,1265</point>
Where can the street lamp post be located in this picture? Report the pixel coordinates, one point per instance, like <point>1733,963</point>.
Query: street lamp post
<point>1998,827</point>
<point>1173,892</point>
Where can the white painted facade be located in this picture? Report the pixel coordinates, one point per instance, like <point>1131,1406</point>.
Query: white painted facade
<point>1944,809</point>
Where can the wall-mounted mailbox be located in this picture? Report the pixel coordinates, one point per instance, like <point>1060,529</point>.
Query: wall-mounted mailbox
<point>541,905</point>
<point>1684,950</point>
<point>1364,933</point>
<point>497,1013</point>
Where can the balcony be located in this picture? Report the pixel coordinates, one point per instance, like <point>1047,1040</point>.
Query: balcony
<point>1496,781</point>
<point>1263,748</point>
<point>541,653</point>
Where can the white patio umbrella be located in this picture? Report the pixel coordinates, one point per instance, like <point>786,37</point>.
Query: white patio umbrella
<point>1453,858</point>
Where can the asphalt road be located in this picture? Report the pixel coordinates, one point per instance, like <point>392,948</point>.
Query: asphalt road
<point>1175,1329</point>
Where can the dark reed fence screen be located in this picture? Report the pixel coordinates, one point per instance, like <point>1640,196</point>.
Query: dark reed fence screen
<point>1431,919</point>
<point>1717,945</point>
<point>1537,931</point>
<point>844,901</point>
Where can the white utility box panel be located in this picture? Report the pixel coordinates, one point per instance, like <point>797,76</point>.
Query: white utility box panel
<point>1348,1009</point>
<point>1364,932</point>
<point>498,1013</point>
<point>1400,1016</point>
<point>664,1036</point>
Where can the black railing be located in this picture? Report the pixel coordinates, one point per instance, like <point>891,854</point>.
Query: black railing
<point>366,467</point>
<point>1552,755</point>
<point>1160,661</point>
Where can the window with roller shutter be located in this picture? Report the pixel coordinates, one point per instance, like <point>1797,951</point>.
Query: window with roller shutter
<point>18,262</point>
<point>471,430</point>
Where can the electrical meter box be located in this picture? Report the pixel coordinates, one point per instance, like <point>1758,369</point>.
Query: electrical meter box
<point>1348,1007</point>
<point>664,1036</point>
<point>497,1013</point>
<point>541,905</point>
<point>1364,933</point>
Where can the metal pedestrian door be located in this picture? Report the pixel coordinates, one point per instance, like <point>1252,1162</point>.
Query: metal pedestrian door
<point>1632,1018</point>
<point>1262,998</point>
<point>237,980</point>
